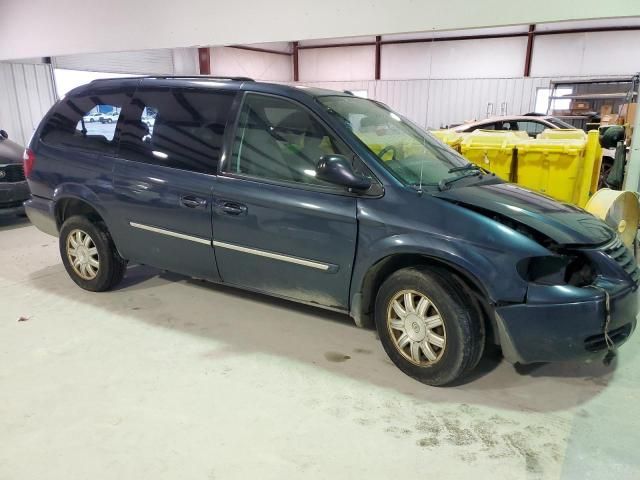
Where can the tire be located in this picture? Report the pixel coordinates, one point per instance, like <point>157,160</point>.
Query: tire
<point>100,248</point>
<point>461,329</point>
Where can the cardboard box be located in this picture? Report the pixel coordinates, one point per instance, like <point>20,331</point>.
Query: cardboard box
<point>611,119</point>
<point>580,105</point>
<point>627,113</point>
<point>606,110</point>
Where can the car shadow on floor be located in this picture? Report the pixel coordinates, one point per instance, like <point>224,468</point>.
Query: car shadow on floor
<point>13,222</point>
<point>324,339</point>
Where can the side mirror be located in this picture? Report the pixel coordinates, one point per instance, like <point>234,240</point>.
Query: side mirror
<point>4,134</point>
<point>337,169</point>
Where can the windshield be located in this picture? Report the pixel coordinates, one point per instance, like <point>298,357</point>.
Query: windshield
<point>412,155</point>
<point>559,123</point>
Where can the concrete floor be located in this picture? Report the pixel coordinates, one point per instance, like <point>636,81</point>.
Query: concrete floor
<point>170,378</point>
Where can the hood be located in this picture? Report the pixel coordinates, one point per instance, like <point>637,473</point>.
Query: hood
<point>10,152</point>
<point>563,223</point>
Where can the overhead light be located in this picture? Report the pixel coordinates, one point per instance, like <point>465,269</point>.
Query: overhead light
<point>158,154</point>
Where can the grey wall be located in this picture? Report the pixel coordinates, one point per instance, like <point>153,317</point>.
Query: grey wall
<point>26,94</point>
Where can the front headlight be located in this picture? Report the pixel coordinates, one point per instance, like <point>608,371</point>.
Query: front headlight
<point>570,269</point>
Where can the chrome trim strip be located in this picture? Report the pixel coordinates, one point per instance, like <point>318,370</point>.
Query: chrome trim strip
<point>170,233</point>
<point>275,256</point>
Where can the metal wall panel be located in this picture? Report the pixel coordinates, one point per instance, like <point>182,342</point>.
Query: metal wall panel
<point>443,102</point>
<point>26,94</point>
<point>150,62</point>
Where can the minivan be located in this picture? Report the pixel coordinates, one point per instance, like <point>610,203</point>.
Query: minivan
<point>332,200</point>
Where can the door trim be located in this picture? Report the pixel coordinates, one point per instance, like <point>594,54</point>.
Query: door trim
<point>170,233</point>
<point>276,256</point>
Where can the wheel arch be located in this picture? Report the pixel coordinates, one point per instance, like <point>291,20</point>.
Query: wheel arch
<point>363,301</point>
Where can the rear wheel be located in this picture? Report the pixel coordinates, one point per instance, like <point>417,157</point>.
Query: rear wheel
<point>89,254</point>
<point>426,326</point>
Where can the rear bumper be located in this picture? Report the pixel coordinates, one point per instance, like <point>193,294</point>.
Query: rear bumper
<point>566,331</point>
<point>11,197</point>
<point>41,213</point>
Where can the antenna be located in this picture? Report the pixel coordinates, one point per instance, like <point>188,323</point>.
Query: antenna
<point>426,115</point>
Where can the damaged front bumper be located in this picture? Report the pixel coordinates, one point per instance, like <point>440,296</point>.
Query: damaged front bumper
<point>565,323</point>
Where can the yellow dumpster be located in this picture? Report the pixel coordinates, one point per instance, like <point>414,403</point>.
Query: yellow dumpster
<point>494,150</point>
<point>562,134</point>
<point>451,138</point>
<point>553,167</point>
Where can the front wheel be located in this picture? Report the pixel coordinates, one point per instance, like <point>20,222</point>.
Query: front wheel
<point>89,254</point>
<point>427,327</point>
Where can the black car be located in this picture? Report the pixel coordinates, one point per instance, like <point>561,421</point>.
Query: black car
<point>13,186</point>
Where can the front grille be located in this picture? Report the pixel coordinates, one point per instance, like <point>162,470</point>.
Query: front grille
<point>12,173</point>
<point>595,343</point>
<point>623,257</point>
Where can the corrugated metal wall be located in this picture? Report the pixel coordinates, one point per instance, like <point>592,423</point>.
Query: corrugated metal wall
<point>26,94</point>
<point>150,62</point>
<point>438,103</point>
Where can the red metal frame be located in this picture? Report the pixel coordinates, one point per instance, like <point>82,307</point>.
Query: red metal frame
<point>529,54</point>
<point>295,58</point>
<point>204,60</point>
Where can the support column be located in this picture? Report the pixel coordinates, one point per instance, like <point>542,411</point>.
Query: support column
<point>527,60</point>
<point>294,56</point>
<point>204,59</point>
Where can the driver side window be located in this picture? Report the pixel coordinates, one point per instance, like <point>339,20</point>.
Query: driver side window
<point>277,139</point>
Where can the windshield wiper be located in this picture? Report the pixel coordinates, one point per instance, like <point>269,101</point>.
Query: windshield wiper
<point>445,182</point>
<point>468,166</point>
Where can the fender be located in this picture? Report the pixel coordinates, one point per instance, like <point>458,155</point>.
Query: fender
<point>81,192</point>
<point>492,270</point>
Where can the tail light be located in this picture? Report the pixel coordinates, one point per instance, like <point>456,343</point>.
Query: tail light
<point>29,161</point>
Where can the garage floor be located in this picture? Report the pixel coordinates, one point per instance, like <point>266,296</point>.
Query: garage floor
<point>171,378</point>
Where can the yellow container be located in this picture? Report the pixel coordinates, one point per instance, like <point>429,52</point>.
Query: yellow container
<point>591,169</point>
<point>494,150</point>
<point>562,134</point>
<point>553,167</point>
<point>451,138</point>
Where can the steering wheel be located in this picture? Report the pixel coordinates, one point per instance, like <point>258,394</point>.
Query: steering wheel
<point>386,149</point>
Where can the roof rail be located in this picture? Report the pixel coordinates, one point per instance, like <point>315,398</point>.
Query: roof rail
<point>212,77</point>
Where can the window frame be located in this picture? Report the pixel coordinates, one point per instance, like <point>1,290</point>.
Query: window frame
<point>229,123</point>
<point>376,190</point>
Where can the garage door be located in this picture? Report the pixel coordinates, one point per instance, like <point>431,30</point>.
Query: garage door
<point>144,62</point>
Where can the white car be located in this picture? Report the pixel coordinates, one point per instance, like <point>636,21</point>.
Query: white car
<point>110,117</point>
<point>532,124</point>
<point>92,117</point>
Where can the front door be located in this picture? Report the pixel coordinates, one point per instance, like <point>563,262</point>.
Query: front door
<point>276,228</point>
<point>163,179</point>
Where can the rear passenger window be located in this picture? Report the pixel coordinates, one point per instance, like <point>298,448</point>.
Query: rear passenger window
<point>176,127</point>
<point>87,121</point>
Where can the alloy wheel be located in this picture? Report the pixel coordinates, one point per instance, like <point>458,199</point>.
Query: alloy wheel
<point>416,327</point>
<point>83,254</point>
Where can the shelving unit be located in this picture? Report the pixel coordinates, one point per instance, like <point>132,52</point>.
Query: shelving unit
<point>621,90</point>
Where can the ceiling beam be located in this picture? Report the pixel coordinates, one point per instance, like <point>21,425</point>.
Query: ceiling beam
<point>144,24</point>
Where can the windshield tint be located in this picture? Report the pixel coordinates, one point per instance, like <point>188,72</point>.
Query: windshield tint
<point>409,153</point>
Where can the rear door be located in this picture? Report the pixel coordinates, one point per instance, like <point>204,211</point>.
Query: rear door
<point>163,178</point>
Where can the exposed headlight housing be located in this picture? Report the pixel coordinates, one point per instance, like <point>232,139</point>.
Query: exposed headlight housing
<point>570,269</point>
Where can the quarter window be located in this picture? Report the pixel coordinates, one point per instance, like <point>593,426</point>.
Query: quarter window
<point>176,127</point>
<point>87,121</point>
<point>277,139</point>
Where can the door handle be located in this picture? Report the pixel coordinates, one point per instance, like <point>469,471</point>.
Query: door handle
<point>232,208</point>
<point>193,202</point>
